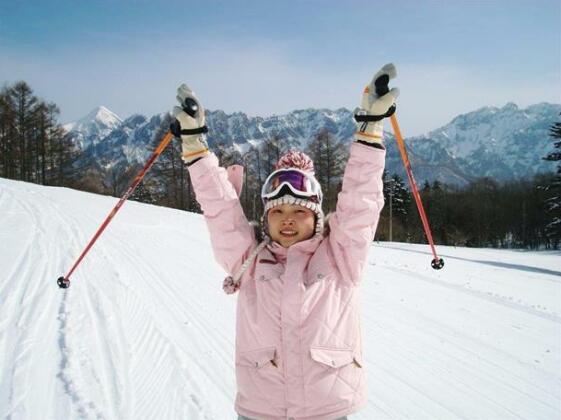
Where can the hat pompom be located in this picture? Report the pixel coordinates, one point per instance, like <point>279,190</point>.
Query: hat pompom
<point>295,159</point>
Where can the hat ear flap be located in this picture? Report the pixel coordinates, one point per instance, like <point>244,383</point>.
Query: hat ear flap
<point>264,226</point>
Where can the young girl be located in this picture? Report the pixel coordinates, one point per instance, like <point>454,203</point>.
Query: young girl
<point>298,335</point>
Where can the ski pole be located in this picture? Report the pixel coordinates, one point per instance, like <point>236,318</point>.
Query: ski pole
<point>436,263</point>
<point>64,282</point>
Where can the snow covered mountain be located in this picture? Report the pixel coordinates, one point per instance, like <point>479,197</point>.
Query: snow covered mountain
<point>94,127</point>
<point>146,332</point>
<point>298,127</point>
<point>127,143</point>
<point>502,143</point>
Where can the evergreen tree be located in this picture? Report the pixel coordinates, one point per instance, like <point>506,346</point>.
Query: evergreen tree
<point>483,194</point>
<point>396,209</point>
<point>415,230</point>
<point>553,200</point>
<point>437,217</point>
<point>401,198</point>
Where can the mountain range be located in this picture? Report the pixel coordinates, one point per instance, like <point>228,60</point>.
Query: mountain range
<point>502,143</point>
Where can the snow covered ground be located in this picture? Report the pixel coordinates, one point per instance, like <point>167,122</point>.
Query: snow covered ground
<point>145,331</point>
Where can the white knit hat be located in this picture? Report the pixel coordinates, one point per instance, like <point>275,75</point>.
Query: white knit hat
<point>297,160</point>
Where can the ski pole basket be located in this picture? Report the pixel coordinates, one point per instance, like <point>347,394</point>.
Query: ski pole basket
<point>63,283</point>
<point>437,264</point>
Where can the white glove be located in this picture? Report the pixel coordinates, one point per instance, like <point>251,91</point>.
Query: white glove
<point>376,107</point>
<point>190,125</point>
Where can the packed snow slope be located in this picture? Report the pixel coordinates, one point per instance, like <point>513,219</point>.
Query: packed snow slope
<point>145,331</point>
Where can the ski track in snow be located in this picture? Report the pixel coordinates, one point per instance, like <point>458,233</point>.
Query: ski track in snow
<point>151,337</point>
<point>124,367</point>
<point>94,388</point>
<point>37,267</point>
<point>491,263</point>
<point>73,367</point>
<point>475,367</point>
<point>467,367</point>
<point>22,309</point>
<point>145,331</point>
<point>481,295</point>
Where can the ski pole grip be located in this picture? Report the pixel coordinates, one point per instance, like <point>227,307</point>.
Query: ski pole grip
<point>381,85</point>
<point>190,106</point>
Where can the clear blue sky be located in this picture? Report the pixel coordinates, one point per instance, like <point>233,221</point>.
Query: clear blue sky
<point>269,57</point>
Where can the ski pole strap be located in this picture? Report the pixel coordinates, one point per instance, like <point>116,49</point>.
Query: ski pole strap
<point>176,130</point>
<point>198,152</point>
<point>200,130</point>
<point>374,118</point>
<point>231,284</point>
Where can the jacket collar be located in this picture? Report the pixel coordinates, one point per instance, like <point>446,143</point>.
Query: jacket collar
<point>308,246</point>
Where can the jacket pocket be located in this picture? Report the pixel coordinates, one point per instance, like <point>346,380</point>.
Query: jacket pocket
<point>266,271</point>
<point>319,270</point>
<point>258,358</point>
<point>333,376</point>
<point>334,357</point>
<point>259,379</point>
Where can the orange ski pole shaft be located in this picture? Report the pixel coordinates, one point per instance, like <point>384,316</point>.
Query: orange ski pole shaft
<point>64,282</point>
<point>436,263</point>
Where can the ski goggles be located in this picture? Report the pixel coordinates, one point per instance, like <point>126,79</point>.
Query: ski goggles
<point>302,184</point>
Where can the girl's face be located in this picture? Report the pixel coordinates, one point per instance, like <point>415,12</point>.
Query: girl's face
<point>290,223</point>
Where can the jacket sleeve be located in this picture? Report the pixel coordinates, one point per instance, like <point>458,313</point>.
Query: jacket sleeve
<point>353,225</point>
<point>231,235</point>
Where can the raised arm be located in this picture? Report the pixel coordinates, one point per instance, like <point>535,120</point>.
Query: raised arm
<point>361,199</point>
<point>231,235</point>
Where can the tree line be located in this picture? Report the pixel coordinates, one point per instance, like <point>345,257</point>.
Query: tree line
<point>485,213</point>
<point>521,213</point>
<point>33,145</point>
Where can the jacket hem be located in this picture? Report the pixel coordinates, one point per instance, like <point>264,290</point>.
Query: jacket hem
<point>326,416</point>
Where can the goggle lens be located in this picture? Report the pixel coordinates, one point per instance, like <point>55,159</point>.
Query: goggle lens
<point>296,179</point>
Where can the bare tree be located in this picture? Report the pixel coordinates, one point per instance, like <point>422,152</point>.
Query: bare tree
<point>330,156</point>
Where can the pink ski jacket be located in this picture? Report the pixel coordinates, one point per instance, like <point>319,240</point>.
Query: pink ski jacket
<point>298,334</point>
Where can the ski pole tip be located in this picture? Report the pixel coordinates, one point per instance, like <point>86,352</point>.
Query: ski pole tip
<point>437,263</point>
<point>63,283</point>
